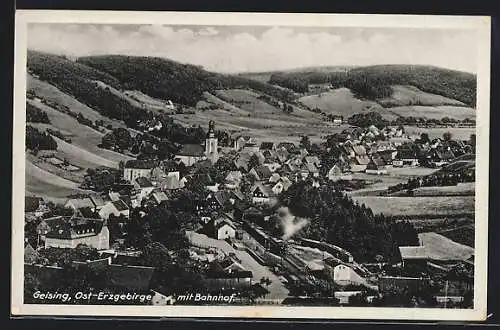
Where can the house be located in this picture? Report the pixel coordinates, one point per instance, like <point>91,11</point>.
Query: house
<point>314,160</point>
<point>240,141</point>
<point>250,148</point>
<point>337,120</point>
<point>345,275</point>
<point>190,154</point>
<point>71,231</point>
<point>80,203</point>
<point>336,174</point>
<point>171,183</point>
<point>272,165</point>
<point>261,173</point>
<point>98,201</point>
<point>387,156</point>
<point>415,255</point>
<point>267,146</point>
<point>312,170</point>
<point>233,179</point>
<point>281,185</point>
<point>228,280</point>
<point>261,194</point>
<point>288,146</point>
<point>118,207</point>
<point>242,162</point>
<point>159,197</point>
<point>274,178</point>
<point>164,171</point>
<point>220,228</point>
<point>376,166</point>
<point>405,157</point>
<point>440,157</point>
<point>134,169</point>
<point>144,186</point>
<point>31,256</point>
<point>282,155</point>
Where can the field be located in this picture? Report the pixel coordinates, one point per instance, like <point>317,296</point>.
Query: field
<point>410,95</point>
<point>342,102</point>
<point>435,112</point>
<point>458,190</point>
<point>408,206</point>
<point>83,137</point>
<point>461,133</point>
<point>377,183</point>
<point>442,248</point>
<point>45,184</point>
<point>245,114</point>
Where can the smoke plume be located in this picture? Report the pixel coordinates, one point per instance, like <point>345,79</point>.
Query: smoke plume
<point>289,223</point>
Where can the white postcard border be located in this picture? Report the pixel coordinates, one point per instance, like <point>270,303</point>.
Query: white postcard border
<point>480,23</point>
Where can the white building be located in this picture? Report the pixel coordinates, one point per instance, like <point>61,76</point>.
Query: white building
<point>345,275</point>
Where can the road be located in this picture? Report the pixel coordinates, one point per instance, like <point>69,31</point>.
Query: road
<point>277,291</point>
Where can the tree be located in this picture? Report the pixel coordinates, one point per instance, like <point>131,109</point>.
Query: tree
<point>424,138</point>
<point>447,136</point>
<point>305,142</point>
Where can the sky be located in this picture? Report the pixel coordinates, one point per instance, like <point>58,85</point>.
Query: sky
<point>232,49</point>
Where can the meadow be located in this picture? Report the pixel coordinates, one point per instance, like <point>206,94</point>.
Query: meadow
<point>418,206</point>
<point>435,112</point>
<point>461,133</point>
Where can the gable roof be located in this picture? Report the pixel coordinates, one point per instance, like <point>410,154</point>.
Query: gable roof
<point>362,160</point>
<point>120,205</point>
<point>72,227</point>
<point>140,164</point>
<point>192,150</point>
<point>30,254</point>
<point>81,202</point>
<point>263,172</point>
<point>143,182</point>
<point>160,196</point>
<point>359,150</point>
<point>413,252</point>
<point>265,189</point>
<point>267,145</point>
<point>377,161</point>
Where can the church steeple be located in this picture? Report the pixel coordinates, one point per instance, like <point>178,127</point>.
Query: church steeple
<point>211,143</point>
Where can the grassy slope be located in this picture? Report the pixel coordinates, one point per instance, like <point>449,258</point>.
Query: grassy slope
<point>402,206</point>
<point>82,136</point>
<point>342,102</point>
<point>410,95</point>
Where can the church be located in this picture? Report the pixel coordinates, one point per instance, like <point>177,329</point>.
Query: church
<point>193,153</point>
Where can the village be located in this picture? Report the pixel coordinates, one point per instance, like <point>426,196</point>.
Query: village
<point>238,235</point>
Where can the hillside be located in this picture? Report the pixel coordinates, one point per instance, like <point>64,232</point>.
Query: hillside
<point>342,102</point>
<point>169,80</point>
<point>375,82</point>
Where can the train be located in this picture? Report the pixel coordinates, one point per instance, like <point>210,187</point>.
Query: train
<point>336,251</point>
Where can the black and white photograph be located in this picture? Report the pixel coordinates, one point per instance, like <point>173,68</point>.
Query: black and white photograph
<point>251,165</point>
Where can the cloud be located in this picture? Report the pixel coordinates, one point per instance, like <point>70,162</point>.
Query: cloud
<point>225,49</point>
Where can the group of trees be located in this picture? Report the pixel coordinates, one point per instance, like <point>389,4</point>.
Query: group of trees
<point>35,115</point>
<point>101,179</point>
<point>336,219</point>
<point>36,140</point>
<point>422,121</point>
<point>373,82</point>
<point>368,119</point>
<point>169,80</point>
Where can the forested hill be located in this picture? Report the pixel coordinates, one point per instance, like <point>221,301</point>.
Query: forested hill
<point>165,79</point>
<point>373,82</point>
